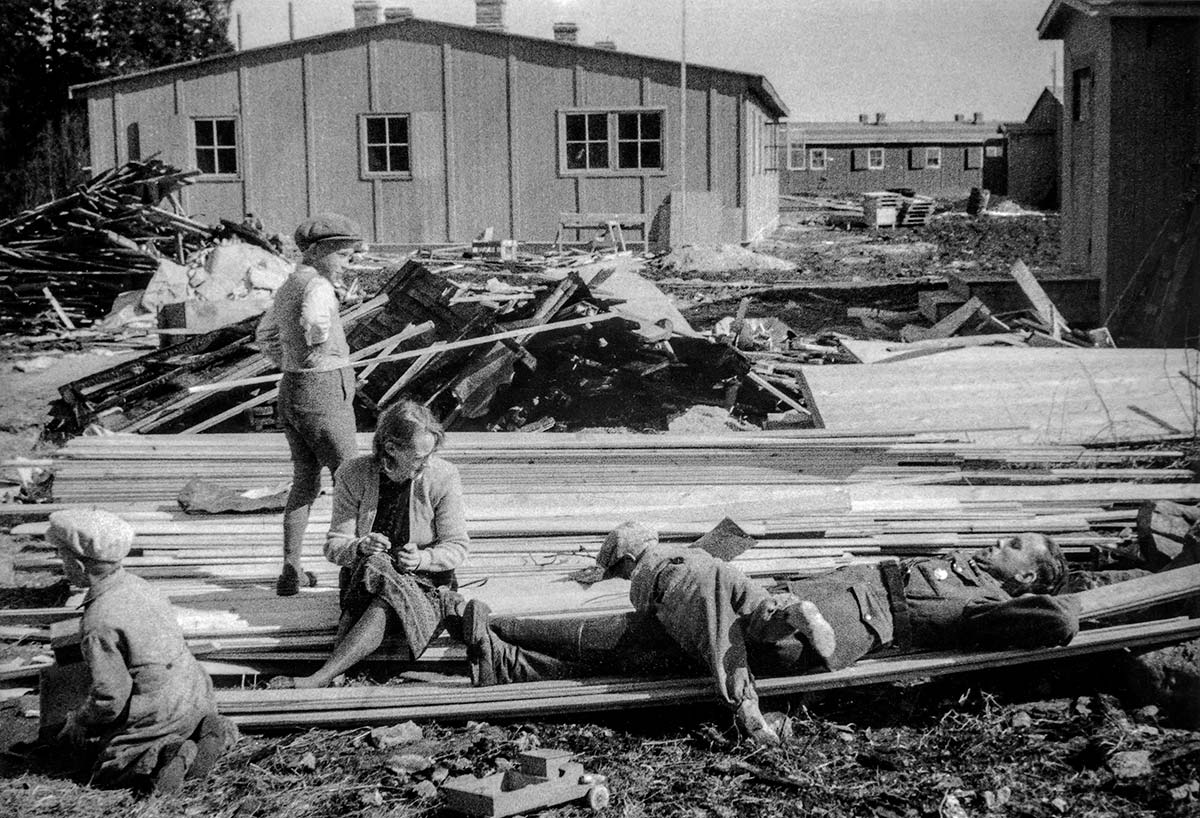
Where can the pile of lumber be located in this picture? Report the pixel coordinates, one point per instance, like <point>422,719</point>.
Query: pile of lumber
<point>504,356</point>
<point>105,236</point>
<point>538,507</point>
<point>110,224</point>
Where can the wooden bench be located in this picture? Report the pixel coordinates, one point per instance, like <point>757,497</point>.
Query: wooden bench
<point>611,223</point>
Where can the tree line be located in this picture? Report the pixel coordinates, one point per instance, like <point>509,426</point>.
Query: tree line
<point>50,45</point>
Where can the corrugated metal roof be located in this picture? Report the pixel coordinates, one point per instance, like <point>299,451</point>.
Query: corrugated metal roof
<point>759,84</point>
<point>896,133</point>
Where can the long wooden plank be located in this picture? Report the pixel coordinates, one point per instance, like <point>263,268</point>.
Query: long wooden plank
<point>1141,593</point>
<point>365,706</point>
<point>416,353</point>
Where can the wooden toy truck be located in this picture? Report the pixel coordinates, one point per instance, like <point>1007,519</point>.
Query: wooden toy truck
<point>545,778</point>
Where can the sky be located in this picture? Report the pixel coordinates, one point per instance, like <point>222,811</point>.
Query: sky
<point>828,59</point>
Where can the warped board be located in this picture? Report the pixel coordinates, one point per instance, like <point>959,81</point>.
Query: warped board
<point>1057,396</point>
<point>362,706</point>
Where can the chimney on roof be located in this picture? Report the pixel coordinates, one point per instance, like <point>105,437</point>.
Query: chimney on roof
<point>566,33</point>
<point>366,13</point>
<point>864,119</point>
<point>959,118</point>
<point>606,45</point>
<point>977,118</point>
<point>489,14</point>
<point>395,14</point>
<point>880,119</point>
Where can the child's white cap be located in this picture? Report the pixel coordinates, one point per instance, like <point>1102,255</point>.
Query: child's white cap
<point>97,535</point>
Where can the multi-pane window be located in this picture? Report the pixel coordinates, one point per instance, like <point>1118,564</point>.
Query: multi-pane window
<point>817,159</point>
<point>993,151</point>
<point>587,141</point>
<point>639,140</point>
<point>612,141</point>
<point>933,158</point>
<point>875,158</point>
<point>216,145</point>
<point>387,146</point>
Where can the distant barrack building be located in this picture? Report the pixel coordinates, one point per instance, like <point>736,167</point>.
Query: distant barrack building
<point>428,132</point>
<point>941,159</point>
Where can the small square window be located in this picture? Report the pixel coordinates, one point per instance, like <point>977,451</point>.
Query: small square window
<point>386,148</point>
<point>875,158</point>
<point>818,158</point>
<point>215,142</point>
<point>993,151</point>
<point>933,159</point>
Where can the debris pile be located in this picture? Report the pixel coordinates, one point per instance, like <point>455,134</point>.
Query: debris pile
<point>543,352</point>
<point>62,263</point>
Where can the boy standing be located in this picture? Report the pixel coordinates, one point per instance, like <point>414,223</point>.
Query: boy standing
<point>303,334</point>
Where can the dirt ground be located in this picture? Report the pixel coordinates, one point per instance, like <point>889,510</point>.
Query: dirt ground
<point>1029,743</point>
<point>934,749</point>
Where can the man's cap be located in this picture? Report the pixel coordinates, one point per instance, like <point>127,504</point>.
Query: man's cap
<point>626,540</point>
<point>327,227</point>
<point>97,535</point>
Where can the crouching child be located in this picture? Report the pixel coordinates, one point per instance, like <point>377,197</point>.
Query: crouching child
<point>148,720</point>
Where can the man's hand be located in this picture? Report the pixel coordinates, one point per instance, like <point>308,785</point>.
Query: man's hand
<point>73,733</point>
<point>409,558</point>
<point>373,543</point>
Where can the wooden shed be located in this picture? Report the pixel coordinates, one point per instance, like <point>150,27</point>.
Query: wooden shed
<point>429,132</point>
<point>944,159</point>
<point>1033,148</point>
<point>1131,126</point>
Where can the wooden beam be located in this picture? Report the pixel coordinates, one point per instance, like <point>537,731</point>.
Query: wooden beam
<point>1138,594</point>
<point>772,389</point>
<point>358,705</point>
<point>1038,298</point>
<point>416,353</point>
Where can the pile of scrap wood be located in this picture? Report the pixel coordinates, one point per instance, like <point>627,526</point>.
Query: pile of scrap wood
<point>75,253</point>
<point>519,356</point>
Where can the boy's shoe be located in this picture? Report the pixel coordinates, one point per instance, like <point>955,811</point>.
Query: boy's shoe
<point>174,760</point>
<point>214,736</point>
<point>751,719</point>
<point>288,583</point>
<point>479,643</point>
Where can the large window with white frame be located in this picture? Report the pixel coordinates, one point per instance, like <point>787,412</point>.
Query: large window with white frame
<point>386,145</point>
<point>611,142</point>
<point>818,158</point>
<point>215,143</point>
<point>933,159</point>
<point>875,159</point>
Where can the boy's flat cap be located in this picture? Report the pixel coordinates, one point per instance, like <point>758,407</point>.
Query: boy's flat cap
<point>97,535</point>
<point>326,227</point>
